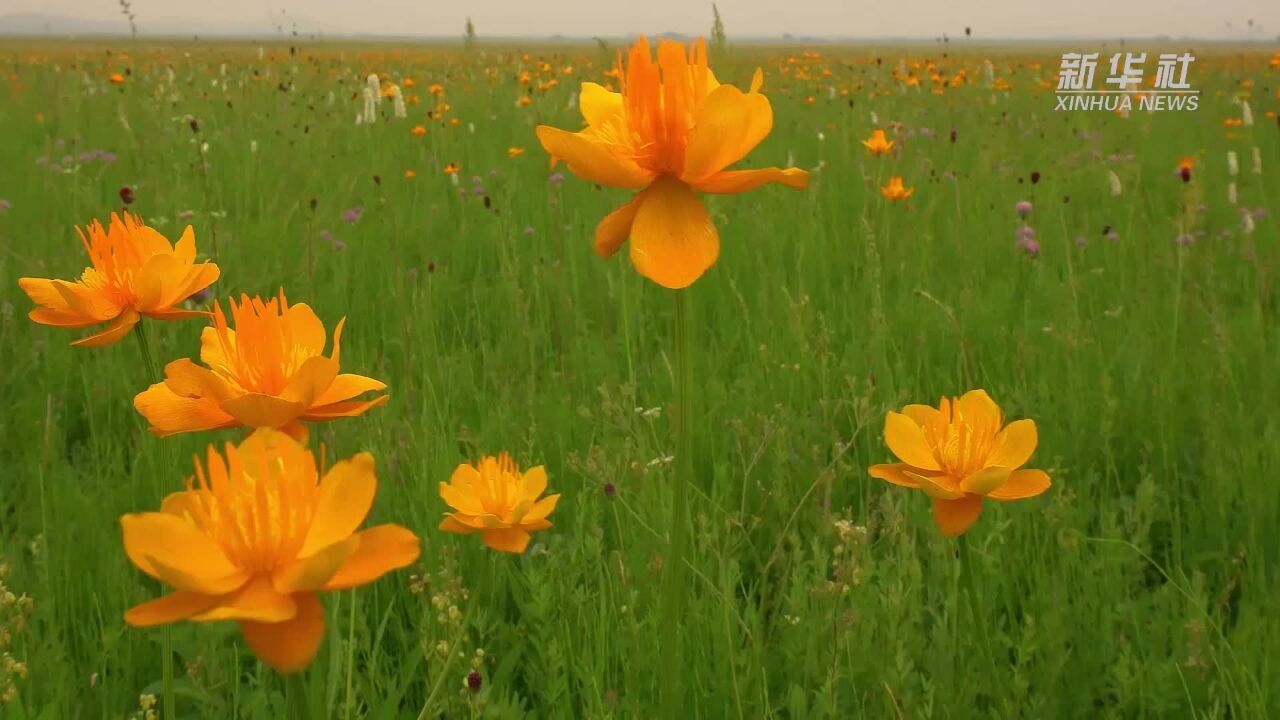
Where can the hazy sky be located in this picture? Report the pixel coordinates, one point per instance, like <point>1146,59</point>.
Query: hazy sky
<point>852,18</point>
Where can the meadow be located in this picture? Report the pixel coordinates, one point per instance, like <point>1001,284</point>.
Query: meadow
<point>1134,325</point>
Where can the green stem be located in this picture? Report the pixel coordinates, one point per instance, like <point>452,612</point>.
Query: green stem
<point>351,654</point>
<point>295,696</point>
<point>673,564</point>
<point>971,594</point>
<point>166,641</point>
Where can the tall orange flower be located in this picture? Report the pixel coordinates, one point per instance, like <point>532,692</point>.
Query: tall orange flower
<point>958,453</point>
<point>136,271</point>
<point>494,498</point>
<point>878,144</point>
<point>269,372</point>
<point>671,131</point>
<point>257,537</point>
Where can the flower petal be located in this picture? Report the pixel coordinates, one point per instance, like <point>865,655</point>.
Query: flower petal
<point>258,410</point>
<point>615,228</point>
<point>350,408</point>
<point>188,380</point>
<point>114,332</point>
<point>893,473</point>
<point>170,413</point>
<point>513,540</point>
<point>598,105</point>
<point>905,439</point>
<point>534,482</point>
<point>257,600</point>
<point>673,241</point>
<point>347,386</point>
<point>176,542</point>
<point>985,480</point>
<point>977,407</point>
<point>310,380</point>
<point>450,524</point>
<point>942,487</point>
<point>311,573</point>
<point>1014,445</point>
<point>382,549</point>
<point>173,607</point>
<point>346,494</point>
<point>158,281</point>
<point>304,328</point>
<point>955,516</point>
<point>1022,484</point>
<point>729,125</point>
<point>736,181</point>
<point>592,159</point>
<point>539,510</point>
<point>289,646</point>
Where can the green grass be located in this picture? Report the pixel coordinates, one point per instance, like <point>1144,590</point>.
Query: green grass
<point>1141,585</point>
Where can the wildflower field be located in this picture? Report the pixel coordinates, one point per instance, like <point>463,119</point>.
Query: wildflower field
<point>708,476</point>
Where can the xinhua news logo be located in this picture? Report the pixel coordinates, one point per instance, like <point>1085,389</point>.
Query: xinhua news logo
<point>1124,84</point>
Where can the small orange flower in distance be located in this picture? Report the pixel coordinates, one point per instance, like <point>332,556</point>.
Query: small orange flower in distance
<point>494,498</point>
<point>117,79</point>
<point>524,101</point>
<point>136,271</point>
<point>960,453</point>
<point>878,144</point>
<point>895,190</point>
<point>256,537</point>
<point>408,82</point>
<point>436,89</point>
<point>418,130</point>
<point>513,152</point>
<point>451,169</point>
<point>670,133</point>
<point>269,372</point>
<point>1185,165</point>
<point>410,174</point>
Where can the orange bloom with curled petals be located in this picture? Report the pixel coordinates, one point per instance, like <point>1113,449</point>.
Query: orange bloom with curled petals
<point>257,537</point>
<point>136,271</point>
<point>494,498</point>
<point>268,372</point>
<point>670,133</point>
<point>878,144</point>
<point>116,79</point>
<point>960,453</point>
<point>895,190</point>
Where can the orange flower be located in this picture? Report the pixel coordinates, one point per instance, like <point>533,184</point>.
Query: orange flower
<point>410,174</point>
<point>408,82</point>
<point>451,169</point>
<point>878,144</point>
<point>136,271</point>
<point>895,191</point>
<point>116,79</point>
<point>958,454</point>
<point>673,130</point>
<point>436,89</point>
<point>267,372</point>
<point>513,152</point>
<point>493,498</point>
<point>418,131</point>
<point>256,538</point>
<point>524,101</point>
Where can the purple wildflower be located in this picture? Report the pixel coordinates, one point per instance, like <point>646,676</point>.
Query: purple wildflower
<point>1023,208</point>
<point>555,178</point>
<point>1185,239</point>
<point>353,214</point>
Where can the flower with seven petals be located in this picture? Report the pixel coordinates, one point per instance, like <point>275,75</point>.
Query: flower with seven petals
<point>671,131</point>
<point>267,372</point>
<point>494,498</point>
<point>959,453</point>
<point>256,537</point>
<point>136,271</point>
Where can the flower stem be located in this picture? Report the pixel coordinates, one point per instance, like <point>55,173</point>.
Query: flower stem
<point>166,640</point>
<point>295,696</point>
<point>971,595</point>
<point>673,564</point>
<point>351,654</point>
